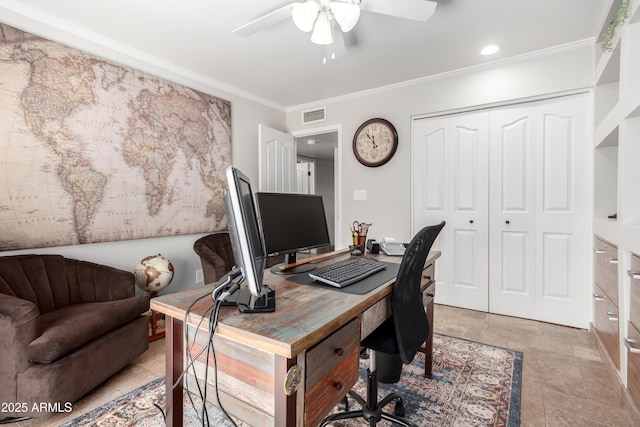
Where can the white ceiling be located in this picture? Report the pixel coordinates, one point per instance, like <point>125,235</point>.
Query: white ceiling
<point>281,67</point>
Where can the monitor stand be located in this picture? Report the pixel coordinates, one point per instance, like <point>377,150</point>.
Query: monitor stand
<point>291,259</point>
<point>263,304</point>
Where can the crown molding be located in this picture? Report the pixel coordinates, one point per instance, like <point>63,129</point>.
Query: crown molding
<point>448,74</point>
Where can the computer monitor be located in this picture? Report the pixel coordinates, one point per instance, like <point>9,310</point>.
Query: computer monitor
<point>246,238</point>
<point>290,223</point>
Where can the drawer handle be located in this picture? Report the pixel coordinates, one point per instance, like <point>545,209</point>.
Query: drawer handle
<point>628,343</point>
<point>612,316</point>
<point>339,351</point>
<point>633,274</point>
<point>599,251</point>
<point>427,277</point>
<point>431,295</point>
<point>337,385</point>
<point>599,297</point>
<point>612,260</point>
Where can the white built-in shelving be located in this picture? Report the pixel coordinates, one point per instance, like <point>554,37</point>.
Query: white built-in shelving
<point>616,118</point>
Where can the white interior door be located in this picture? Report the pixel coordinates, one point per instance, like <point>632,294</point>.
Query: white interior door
<point>563,202</point>
<point>451,162</point>
<point>277,160</point>
<point>306,177</point>
<point>514,185</point>
<point>512,212</point>
<point>540,209</point>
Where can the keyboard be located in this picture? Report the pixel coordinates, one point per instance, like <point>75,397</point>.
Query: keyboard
<point>344,273</point>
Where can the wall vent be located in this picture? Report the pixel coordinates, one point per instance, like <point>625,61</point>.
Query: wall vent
<point>314,116</point>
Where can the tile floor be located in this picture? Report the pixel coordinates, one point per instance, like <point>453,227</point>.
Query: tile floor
<point>565,380</point>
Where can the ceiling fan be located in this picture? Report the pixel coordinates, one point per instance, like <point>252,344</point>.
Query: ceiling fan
<point>318,16</point>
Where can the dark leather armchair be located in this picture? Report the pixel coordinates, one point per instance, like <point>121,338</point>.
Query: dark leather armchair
<point>403,333</point>
<point>65,327</point>
<point>216,255</point>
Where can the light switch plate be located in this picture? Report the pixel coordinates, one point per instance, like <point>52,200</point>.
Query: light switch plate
<point>359,194</point>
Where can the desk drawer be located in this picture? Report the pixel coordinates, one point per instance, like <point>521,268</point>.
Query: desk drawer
<point>634,284</point>
<point>633,369</point>
<point>606,265</point>
<point>606,324</point>
<point>331,371</point>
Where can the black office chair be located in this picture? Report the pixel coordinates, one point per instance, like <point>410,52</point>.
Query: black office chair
<point>403,333</point>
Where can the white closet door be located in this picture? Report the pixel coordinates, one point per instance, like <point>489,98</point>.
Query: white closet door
<point>451,163</point>
<point>563,201</point>
<point>540,207</point>
<point>512,209</point>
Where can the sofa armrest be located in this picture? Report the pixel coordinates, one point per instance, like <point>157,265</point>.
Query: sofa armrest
<point>18,328</point>
<point>90,282</point>
<point>213,266</point>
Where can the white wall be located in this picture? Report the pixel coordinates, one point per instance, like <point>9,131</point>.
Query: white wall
<point>388,204</point>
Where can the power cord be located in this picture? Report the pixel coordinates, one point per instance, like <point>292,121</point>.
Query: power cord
<point>219,294</point>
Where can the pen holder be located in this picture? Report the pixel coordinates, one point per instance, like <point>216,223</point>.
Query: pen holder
<point>359,242</point>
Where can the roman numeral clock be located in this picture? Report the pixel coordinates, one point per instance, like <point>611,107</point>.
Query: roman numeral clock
<point>375,142</point>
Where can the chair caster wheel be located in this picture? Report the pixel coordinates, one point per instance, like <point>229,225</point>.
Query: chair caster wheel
<point>398,409</point>
<point>343,405</point>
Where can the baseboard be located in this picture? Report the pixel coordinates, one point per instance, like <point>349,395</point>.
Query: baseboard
<point>628,404</point>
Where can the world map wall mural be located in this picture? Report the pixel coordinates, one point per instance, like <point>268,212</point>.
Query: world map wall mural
<point>91,151</point>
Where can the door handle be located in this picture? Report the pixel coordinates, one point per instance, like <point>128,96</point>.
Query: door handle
<point>628,343</point>
<point>507,222</point>
<point>470,221</point>
<point>633,274</point>
<point>597,297</point>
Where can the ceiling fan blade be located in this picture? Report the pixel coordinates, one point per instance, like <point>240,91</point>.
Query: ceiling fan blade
<point>417,10</point>
<point>264,21</point>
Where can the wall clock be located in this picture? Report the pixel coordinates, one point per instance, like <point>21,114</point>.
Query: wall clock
<point>375,142</point>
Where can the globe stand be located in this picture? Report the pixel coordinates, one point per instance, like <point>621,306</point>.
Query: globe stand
<point>156,325</point>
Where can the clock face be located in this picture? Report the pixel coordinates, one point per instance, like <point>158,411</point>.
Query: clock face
<point>375,142</point>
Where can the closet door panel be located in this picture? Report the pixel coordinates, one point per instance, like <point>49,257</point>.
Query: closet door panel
<point>454,188</point>
<point>429,189</point>
<point>563,204</point>
<point>468,219</point>
<point>512,212</point>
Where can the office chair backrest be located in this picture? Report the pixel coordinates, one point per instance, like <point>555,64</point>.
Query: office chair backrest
<point>410,319</point>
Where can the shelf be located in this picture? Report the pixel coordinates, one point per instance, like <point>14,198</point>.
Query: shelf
<point>606,228</point>
<point>608,69</point>
<point>606,134</point>
<point>629,236</point>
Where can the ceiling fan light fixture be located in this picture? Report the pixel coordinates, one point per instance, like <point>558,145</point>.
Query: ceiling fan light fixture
<point>322,30</point>
<point>346,14</point>
<point>304,15</point>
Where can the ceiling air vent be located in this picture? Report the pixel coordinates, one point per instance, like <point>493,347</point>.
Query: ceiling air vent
<point>314,116</point>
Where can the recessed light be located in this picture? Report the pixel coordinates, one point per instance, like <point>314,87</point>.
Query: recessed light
<point>490,50</point>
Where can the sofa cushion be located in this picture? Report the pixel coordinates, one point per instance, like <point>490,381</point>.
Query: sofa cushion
<point>65,329</point>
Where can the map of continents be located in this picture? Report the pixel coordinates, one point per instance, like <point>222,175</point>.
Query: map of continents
<point>92,152</point>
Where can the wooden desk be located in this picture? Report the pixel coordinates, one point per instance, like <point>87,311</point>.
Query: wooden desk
<point>313,329</point>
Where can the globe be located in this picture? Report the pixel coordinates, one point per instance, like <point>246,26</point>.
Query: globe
<point>154,273</point>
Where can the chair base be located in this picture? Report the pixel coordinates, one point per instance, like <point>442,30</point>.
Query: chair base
<point>372,410</point>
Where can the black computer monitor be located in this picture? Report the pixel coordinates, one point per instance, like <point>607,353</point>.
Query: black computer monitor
<point>246,240</point>
<point>291,223</point>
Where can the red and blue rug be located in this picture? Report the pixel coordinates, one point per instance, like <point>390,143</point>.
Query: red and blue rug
<point>473,384</point>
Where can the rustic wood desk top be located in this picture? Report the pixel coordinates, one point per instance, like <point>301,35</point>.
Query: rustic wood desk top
<point>304,314</point>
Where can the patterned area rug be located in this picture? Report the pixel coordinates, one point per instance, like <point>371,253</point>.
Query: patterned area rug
<point>473,384</point>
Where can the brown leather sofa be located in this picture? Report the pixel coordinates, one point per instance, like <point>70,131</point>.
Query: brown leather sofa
<point>65,327</point>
